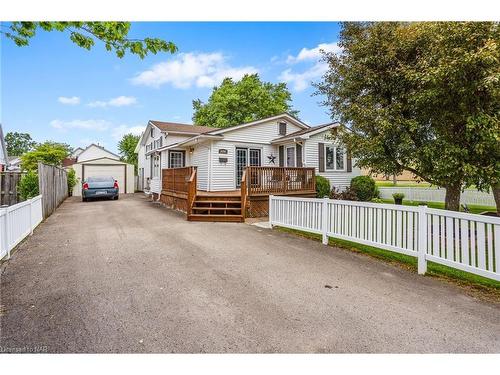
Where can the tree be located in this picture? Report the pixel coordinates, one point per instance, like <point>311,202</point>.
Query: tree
<point>18,143</point>
<point>49,152</point>
<point>126,147</point>
<point>243,101</point>
<point>414,96</point>
<point>114,35</point>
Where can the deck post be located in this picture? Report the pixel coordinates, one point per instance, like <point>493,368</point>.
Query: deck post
<point>324,221</point>
<point>422,240</point>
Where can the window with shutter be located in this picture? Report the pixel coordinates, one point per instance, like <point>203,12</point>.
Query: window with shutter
<point>282,128</point>
<point>298,148</point>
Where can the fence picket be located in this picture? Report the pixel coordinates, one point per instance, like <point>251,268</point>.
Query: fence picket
<point>464,241</point>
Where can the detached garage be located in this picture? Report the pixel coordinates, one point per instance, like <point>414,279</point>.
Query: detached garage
<point>106,165</point>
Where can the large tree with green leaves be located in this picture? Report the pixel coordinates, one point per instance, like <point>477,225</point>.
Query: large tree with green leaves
<point>114,35</point>
<point>52,153</point>
<point>18,143</point>
<point>246,100</point>
<point>126,147</point>
<point>422,97</point>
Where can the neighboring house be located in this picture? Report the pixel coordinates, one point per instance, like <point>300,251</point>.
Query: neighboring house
<point>221,155</point>
<point>76,152</point>
<point>4,159</point>
<point>14,163</point>
<point>95,161</point>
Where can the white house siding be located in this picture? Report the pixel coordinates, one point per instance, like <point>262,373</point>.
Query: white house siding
<point>199,158</point>
<point>223,175</point>
<point>260,133</point>
<point>338,179</point>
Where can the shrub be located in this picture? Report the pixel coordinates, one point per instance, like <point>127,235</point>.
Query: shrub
<point>322,187</point>
<point>346,195</point>
<point>364,187</point>
<point>398,195</point>
<point>71,180</point>
<point>28,186</point>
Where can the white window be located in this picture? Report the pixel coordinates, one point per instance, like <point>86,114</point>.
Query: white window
<point>335,158</point>
<point>290,156</point>
<point>156,166</point>
<point>176,159</point>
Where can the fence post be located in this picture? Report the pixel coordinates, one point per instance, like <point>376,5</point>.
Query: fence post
<point>324,221</point>
<point>422,239</point>
<point>271,210</point>
<point>31,215</point>
<point>6,233</point>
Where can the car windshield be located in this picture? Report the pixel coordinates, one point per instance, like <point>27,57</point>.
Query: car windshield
<point>100,179</point>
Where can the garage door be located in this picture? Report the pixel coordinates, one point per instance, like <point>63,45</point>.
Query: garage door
<point>115,171</point>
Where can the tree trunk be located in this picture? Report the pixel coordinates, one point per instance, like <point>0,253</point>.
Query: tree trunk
<point>496,194</point>
<point>452,199</point>
<point>394,179</point>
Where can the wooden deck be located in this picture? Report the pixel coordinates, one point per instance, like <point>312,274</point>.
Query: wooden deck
<point>251,200</point>
<point>230,193</point>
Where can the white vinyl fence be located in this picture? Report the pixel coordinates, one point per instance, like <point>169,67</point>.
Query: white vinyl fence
<point>466,242</point>
<point>17,222</point>
<point>469,196</point>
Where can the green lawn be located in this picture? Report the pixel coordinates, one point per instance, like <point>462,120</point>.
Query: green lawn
<point>472,208</point>
<point>478,283</point>
<point>403,184</point>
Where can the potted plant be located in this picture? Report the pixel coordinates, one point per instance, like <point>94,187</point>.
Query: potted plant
<point>398,198</point>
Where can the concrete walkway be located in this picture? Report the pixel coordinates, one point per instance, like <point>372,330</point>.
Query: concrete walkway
<point>131,276</point>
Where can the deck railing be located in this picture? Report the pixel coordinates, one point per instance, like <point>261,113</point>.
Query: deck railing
<point>176,179</point>
<point>191,191</point>
<point>280,180</point>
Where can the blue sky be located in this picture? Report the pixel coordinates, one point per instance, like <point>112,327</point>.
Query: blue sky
<point>55,90</point>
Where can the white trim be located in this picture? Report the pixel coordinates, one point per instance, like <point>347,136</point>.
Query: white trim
<point>334,169</point>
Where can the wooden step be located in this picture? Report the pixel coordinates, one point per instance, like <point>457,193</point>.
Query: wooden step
<point>212,218</point>
<point>229,201</point>
<point>218,208</point>
<point>219,199</point>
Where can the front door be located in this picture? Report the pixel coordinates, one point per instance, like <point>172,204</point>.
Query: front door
<point>246,157</point>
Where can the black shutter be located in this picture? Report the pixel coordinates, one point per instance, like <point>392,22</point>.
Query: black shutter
<point>321,157</point>
<point>282,156</point>
<point>349,162</point>
<point>298,151</point>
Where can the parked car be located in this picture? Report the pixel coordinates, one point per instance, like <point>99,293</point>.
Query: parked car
<point>99,187</point>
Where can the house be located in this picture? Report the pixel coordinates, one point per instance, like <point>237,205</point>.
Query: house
<point>94,161</point>
<point>14,163</point>
<point>281,154</point>
<point>4,159</point>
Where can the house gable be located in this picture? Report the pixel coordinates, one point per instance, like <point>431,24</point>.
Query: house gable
<point>262,131</point>
<point>3,149</point>
<point>96,152</point>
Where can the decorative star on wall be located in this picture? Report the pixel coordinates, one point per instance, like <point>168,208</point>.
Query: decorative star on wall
<point>271,158</point>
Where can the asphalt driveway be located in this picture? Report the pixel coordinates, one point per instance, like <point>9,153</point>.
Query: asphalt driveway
<point>131,276</point>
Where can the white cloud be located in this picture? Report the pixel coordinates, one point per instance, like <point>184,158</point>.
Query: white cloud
<point>73,100</point>
<point>119,101</point>
<point>97,125</point>
<point>312,57</point>
<point>188,69</point>
<point>301,81</point>
<point>119,131</point>
<point>314,54</point>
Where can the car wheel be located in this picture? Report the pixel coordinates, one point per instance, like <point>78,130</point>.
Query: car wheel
<point>116,198</point>
<point>84,199</point>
